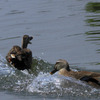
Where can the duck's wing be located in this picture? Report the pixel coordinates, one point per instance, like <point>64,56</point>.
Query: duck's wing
<point>91,80</point>
<point>86,73</point>
<point>94,74</point>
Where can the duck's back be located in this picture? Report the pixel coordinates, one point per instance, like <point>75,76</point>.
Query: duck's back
<point>28,57</point>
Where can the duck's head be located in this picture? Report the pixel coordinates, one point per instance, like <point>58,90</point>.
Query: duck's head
<point>15,57</point>
<point>26,40</point>
<point>11,58</point>
<point>61,63</point>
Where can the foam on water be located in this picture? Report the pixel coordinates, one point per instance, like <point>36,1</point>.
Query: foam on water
<point>4,68</point>
<point>42,83</point>
<point>60,85</point>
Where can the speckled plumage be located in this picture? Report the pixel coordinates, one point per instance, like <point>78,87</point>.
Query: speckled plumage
<point>91,78</point>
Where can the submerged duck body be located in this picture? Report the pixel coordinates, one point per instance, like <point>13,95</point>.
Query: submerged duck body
<point>91,78</point>
<point>21,57</point>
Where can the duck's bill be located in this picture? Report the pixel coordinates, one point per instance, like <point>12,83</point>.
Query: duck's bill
<point>30,40</point>
<point>31,37</point>
<point>54,71</point>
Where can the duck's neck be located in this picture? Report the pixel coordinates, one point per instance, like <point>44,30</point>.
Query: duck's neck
<point>24,45</point>
<point>63,71</point>
<point>68,68</point>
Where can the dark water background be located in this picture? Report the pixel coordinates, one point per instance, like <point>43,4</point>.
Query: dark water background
<point>67,29</point>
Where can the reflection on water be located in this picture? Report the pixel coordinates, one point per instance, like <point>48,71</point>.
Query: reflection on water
<point>93,20</point>
<point>93,7</point>
<point>93,35</point>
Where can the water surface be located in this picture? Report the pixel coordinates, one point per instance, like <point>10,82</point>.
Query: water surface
<point>67,29</point>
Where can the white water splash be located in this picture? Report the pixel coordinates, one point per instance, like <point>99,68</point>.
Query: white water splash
<point>44,83</point>
<point>59,85</point>
<point>4,68</point>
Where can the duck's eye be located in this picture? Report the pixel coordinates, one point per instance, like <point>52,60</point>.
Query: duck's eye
<point>26,38</point>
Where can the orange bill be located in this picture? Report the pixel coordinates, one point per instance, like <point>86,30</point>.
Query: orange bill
<point>54,71</point>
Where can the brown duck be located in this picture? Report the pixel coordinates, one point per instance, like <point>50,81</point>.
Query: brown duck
<point>21,57</point>
<point>91,78</point>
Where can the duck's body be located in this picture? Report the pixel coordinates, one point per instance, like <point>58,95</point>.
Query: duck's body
<point>21,57</point>
<point>91,78</point>
<point>78,74</point>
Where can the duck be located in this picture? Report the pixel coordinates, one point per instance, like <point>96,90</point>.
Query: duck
<point>21,57</point>
<point>63,68</point>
